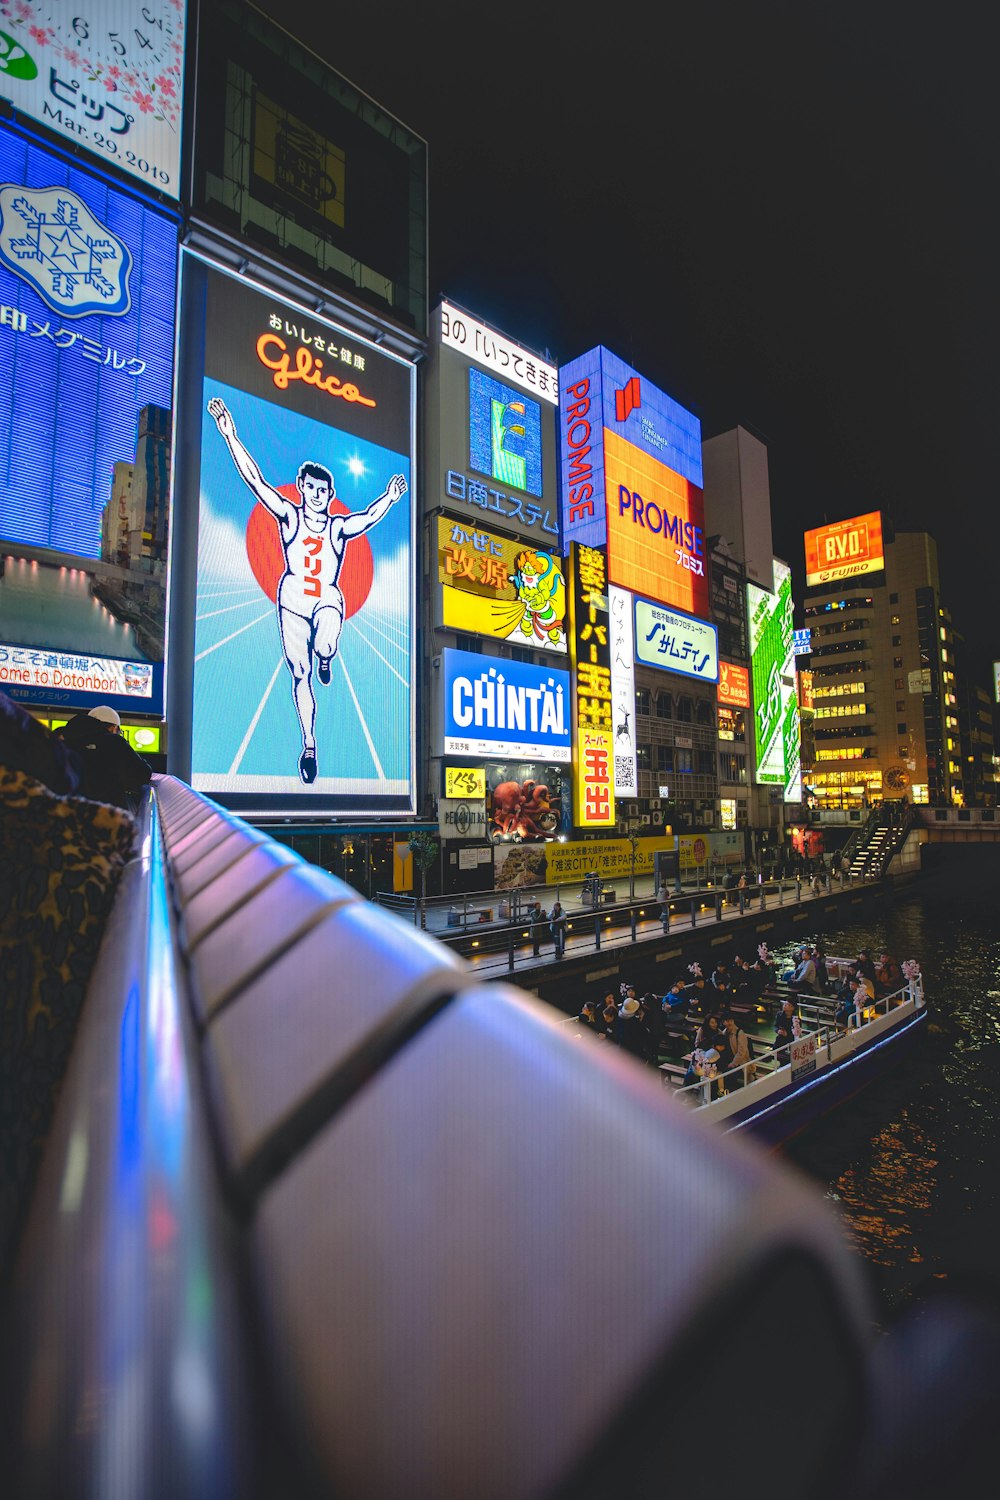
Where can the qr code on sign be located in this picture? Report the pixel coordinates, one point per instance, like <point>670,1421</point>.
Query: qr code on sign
<point>625,767</point>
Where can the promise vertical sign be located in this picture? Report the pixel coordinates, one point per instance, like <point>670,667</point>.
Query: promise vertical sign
<point>590,657</point>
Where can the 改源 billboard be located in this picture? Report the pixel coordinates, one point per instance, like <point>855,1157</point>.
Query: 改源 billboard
<point>303,647</point>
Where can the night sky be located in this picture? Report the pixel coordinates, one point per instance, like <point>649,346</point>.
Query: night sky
<point>776,212</point>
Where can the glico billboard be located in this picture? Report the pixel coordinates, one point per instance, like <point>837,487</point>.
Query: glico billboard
<point>772,664</point>
<point>845,549</point>
<point>631,480</point>
<point>489,421</point>
<point>87,292</point>
<point>293,649</point>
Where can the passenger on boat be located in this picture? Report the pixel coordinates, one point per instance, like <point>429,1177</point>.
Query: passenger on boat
<point>706,1052</point>
<point>743,986</point>
<point>609,1017</point>
<point>822,975</point>
<point>588,1016</point>
<point>888,975</point>
<point>697,997</point>
<point>675,1001</point>
<point>803,977</point>
<point>721,977</point>
<point>629,1032</point>
<point>866,967</point>
<point>784,1030</point>
<point>735,1051</point>
<point>651,1021</point>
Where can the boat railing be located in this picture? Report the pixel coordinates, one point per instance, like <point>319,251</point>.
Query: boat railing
<point>713,1085</point>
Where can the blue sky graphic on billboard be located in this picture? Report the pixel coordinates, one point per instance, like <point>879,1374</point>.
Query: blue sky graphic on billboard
<point>505,433</point>
<point>504,708</point>
<point>304,637</point>
<point>87,290</point>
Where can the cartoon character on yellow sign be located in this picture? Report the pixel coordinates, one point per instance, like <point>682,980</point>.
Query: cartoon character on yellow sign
<point>542,591</point>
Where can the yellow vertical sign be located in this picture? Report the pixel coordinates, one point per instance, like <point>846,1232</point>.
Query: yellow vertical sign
<point>590,658</point>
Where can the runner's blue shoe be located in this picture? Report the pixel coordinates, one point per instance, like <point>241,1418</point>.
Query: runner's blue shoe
<point>323,670</point>
<point>307,766</point>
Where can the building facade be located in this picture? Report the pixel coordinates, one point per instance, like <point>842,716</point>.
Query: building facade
<point>884,682</point>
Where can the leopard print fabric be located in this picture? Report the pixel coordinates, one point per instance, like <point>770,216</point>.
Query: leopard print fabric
<point>60,861</point>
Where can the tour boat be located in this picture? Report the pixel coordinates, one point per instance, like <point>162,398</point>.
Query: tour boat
<point>826,1065</point>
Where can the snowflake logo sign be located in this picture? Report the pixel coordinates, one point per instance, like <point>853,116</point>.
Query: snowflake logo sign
<point>50,238</point>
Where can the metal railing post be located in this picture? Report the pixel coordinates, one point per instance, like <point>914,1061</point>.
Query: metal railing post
<point>510,950</point>
<point>632,915</point>
<point>798,888</point>
<point>694,918</point>
<point>718,906</point>
<point>597,927</point>
<point>743,905</point>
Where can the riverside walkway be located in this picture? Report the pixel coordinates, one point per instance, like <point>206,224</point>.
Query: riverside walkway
<point>498,944</point>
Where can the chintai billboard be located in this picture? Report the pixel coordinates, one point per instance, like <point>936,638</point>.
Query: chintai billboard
<point>292,662</point>
<point>505,708</point>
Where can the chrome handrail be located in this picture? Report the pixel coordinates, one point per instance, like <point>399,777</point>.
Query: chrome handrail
<point>124,1301</point>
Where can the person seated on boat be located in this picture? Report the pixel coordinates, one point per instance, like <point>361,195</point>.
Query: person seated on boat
<point>865,965</point>
<point>822,975</point>
<point>609,1016</point>
<point>784,1029</point>
<point>743,979</point>
<point>675,1001</point>
<point>735,1051</point>
<point>588,1016</point>
<point>721,977</point>
<point>706,1052</point>
<point>651,1021</point>
<point>697,996</point>
<point>888,975</point>
<point>861,997</point>
<point>803,977</point>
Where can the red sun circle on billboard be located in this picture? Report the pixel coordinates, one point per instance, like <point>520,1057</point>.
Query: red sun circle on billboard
<point>267,558</point>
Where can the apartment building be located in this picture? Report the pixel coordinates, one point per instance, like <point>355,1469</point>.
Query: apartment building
<point>885,700</point>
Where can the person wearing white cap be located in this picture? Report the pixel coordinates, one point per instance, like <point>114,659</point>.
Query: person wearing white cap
<point>112,771</point>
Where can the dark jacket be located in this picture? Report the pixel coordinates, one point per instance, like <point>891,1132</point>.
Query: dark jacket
<point>111,768</point>
<point>26,745</point>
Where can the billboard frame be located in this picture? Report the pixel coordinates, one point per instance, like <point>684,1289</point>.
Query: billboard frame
<point>189,367</point>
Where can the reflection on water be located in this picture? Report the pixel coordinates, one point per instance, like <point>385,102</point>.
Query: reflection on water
<point>910,1164</point>
<point>53,607</point>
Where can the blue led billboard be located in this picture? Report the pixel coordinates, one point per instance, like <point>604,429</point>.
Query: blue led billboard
<point>87,291</point>
<point>505,708</point>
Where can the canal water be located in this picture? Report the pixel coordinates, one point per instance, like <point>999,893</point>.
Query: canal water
<point>911,1164</point>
